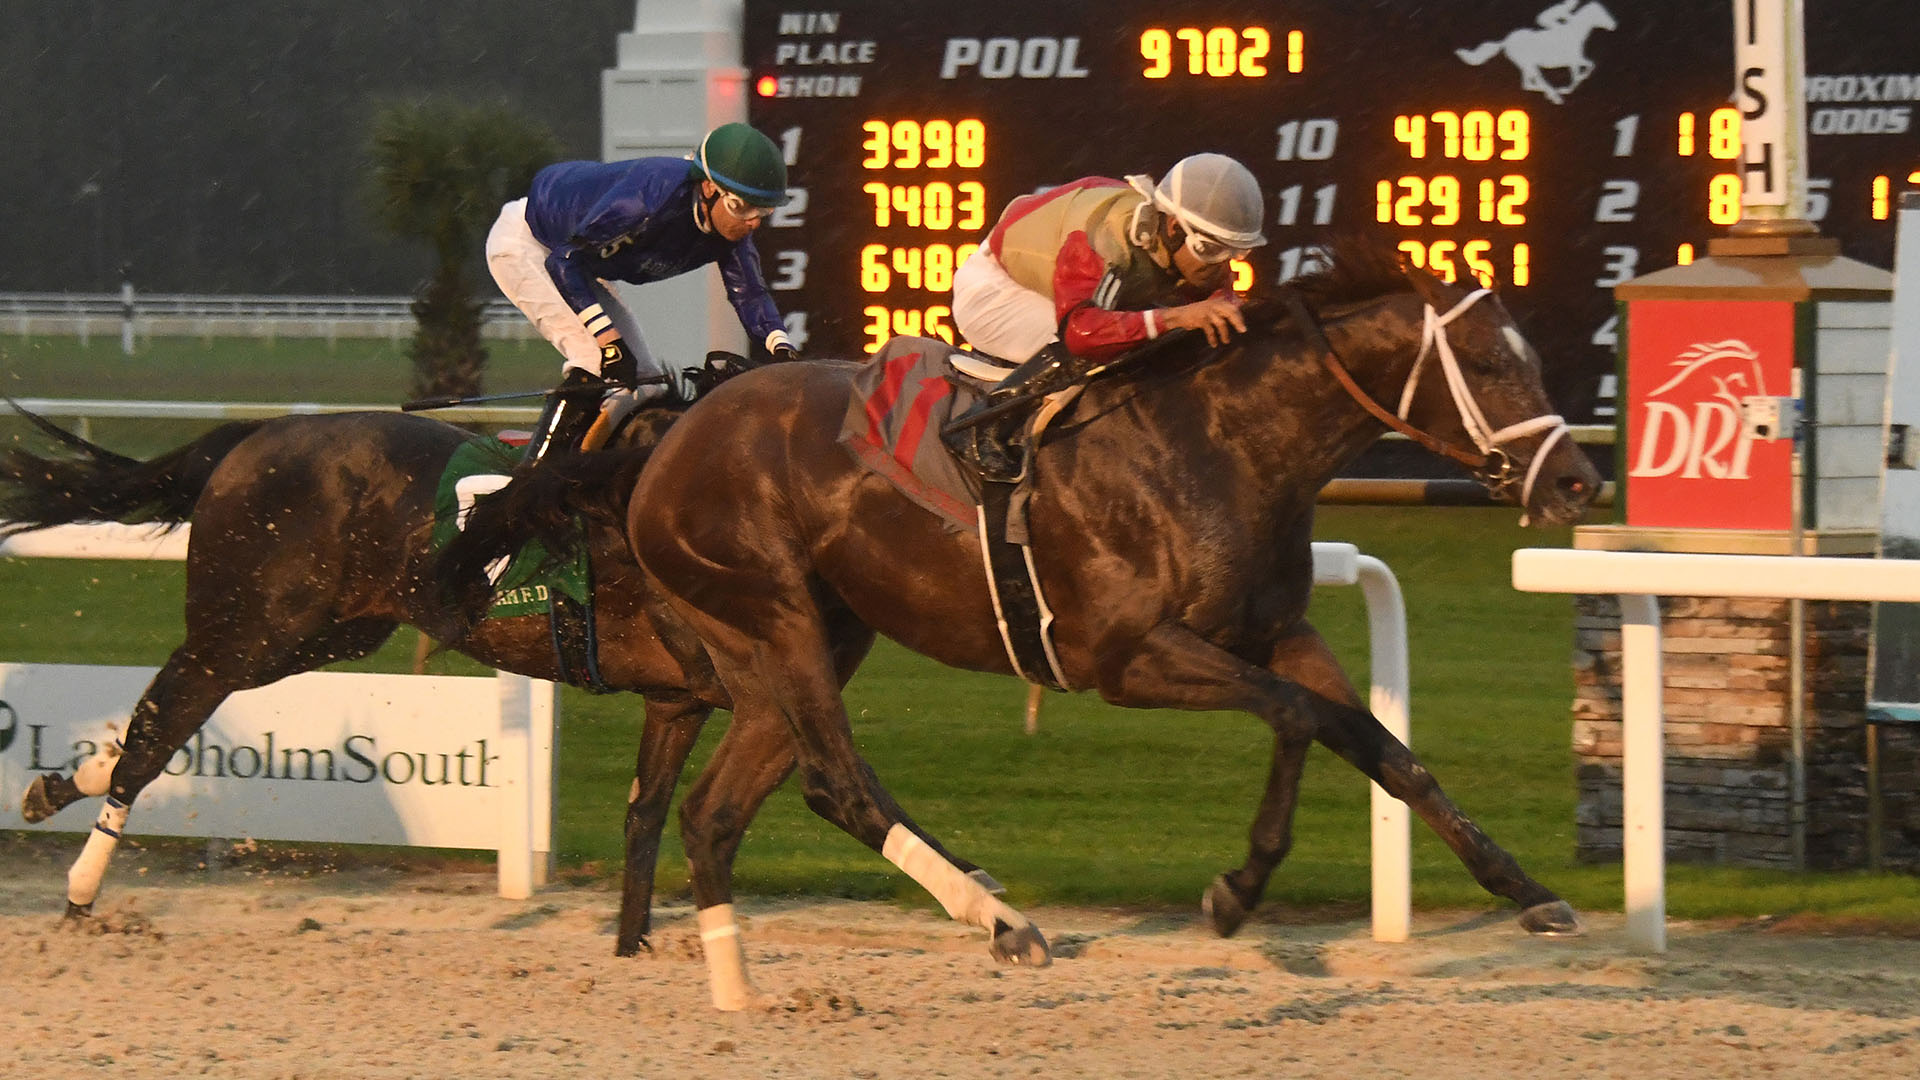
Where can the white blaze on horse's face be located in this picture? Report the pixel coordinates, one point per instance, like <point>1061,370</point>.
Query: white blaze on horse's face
<point>1518,344</point>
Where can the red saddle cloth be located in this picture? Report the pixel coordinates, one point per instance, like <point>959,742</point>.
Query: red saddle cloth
<point>901,399</point>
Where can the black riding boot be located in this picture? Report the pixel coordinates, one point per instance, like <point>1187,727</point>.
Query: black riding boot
<point>984,434</point>
<point>570,411</point>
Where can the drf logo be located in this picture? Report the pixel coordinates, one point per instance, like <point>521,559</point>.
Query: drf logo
<point>1005,58</point>
<point>1690,462</point>
<point>1705,439</point>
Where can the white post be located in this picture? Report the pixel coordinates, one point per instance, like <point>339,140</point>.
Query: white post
<point>1769,53</point>
<point>1392,823</point>
<point>126,318</point>
<point>517,786</point>
<point>1642,773</point>
<point>544,740</point>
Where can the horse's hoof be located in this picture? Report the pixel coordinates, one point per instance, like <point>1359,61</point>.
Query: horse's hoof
<point>77,912</point>
<point>1223,908</point>
<point>985,881</point>
<point>1020,945</point>
<point>35,806</point>
<point>1551,919</point>
<point>634,948</point>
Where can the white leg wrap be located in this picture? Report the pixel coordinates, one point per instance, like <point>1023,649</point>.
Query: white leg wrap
<point>83,878</point>
<point>726,960</point>
<point>96,773</point>
<point>963,896</point>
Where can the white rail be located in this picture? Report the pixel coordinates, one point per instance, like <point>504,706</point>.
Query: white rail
<point>1639,579</point>
<point>227,315</point>
<point>104,409</point>
<point>1342,564</point>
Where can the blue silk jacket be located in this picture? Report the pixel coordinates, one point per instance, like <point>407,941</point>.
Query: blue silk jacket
<point>634,221</point>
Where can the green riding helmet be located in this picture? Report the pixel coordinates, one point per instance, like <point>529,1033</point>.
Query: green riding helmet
<point>745,162</point>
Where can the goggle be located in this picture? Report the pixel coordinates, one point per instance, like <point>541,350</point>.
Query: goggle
<point>743,209</point>
<point>1211,251</point>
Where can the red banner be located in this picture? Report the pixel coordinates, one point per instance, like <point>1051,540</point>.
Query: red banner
<point>1689,363</point>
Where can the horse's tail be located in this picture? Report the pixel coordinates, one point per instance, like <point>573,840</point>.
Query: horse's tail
<point>540,506</point>
<point>1480,54</point>
<point>93,484</point>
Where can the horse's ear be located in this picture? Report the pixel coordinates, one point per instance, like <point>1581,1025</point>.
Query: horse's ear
<point>1426,284</point>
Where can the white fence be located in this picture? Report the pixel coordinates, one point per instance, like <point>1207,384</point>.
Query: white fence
<point>222,315</point>
<point>88,409</point>
<point>1639,579</point>
<point>425,761</point>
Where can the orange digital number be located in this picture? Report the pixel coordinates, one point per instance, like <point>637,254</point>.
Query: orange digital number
<point>1219,52</point>
<point>929,144</point>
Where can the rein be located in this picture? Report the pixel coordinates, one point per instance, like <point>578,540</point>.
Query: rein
<point>1491,464</point>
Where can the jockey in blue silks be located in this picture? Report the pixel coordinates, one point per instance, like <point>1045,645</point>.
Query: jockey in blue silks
<point>585,223</point>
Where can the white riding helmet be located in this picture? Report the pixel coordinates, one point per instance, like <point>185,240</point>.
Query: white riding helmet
<point>1210,194</point>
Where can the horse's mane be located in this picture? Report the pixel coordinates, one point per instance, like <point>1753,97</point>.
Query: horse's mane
<point>1356,268</point>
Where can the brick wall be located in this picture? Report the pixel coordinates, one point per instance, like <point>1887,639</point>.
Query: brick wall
<point>1728,741</point>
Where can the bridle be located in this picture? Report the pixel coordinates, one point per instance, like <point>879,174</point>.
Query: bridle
<point>1489,462</point>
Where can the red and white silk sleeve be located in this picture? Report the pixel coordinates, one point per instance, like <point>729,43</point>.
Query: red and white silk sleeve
<point>1092,331</point>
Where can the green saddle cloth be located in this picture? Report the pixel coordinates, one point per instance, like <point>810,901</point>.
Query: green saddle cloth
<point>527,586</point>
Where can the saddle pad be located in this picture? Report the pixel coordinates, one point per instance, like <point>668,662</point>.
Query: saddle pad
<point>523,589</point>
<point>901,399</point>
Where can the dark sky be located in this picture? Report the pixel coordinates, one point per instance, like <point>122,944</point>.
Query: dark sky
<point>220,146</point>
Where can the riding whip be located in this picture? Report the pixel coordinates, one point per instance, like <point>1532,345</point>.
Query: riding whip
<point>452,401</point>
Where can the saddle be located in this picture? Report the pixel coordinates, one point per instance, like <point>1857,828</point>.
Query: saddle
<point>900,402</point>
<point>529,583</point>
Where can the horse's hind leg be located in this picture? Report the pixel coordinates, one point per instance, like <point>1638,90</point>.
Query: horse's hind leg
<point>753,758</point>
<point>181,697</point>
<point>176,703</point>
<point>671,729</point>
<point>1357,736</point>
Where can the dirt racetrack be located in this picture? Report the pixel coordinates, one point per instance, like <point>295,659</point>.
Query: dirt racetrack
<point>373,973</point>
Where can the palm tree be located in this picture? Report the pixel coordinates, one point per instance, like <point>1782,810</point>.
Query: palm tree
<point>441,171</point>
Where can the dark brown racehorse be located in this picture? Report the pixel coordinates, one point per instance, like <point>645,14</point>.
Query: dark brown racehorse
<point>1171,524</point>
<point>311,544</point>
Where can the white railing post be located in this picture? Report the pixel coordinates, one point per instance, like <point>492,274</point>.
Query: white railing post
<point>1643,790</point>
<point>517,810</point>
<point>1392,823</point>
<point>1391,828</point>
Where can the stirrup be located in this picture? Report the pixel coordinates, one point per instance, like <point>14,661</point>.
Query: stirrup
<point>990,450</point>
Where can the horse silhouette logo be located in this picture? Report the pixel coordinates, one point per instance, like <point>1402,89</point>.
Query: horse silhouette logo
<point>1559,43</point>
<point>1699,434</point>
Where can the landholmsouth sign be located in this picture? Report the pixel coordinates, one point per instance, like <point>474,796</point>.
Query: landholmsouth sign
<point>324,756</point>
<point>1689,462</point>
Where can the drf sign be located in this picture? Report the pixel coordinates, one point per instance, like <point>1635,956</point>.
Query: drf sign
<point>1689,462</point>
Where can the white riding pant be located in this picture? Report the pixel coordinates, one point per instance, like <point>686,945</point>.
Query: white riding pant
<point>998,315</point>
<point>518,262</point>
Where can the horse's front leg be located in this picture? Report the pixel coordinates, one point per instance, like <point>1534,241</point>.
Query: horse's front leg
<point>1175,668</point>
<point>1352,732</point>
<point>671,729</point>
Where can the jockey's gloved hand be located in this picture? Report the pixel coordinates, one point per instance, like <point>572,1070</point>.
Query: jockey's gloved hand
<point>780,347</point>
<point>617,365</point>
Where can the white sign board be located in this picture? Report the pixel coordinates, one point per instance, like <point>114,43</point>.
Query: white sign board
<point>428,761</point>
<point>1768,71</point>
